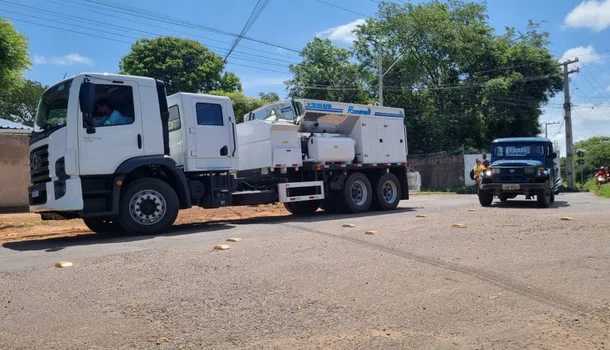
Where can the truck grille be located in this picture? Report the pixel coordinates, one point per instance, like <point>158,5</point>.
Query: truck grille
<point>39,165</point>
<point>516,175</point>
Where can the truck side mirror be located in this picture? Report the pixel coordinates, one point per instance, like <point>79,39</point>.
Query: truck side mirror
<point>86,97</point>
<point>554,154</point>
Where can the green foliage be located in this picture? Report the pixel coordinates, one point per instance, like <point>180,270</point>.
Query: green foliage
<point>603,191</point>
<point>14,58</point>
<point>328,73</point>
<point>269,97</point>
<point>597,155</point>
<point>459,83</point>
<point>242,104</point>
<point>229,82</point>
<point>20,103</point>
<point>183,64</point>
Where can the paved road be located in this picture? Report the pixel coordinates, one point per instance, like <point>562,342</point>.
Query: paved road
<point>517,277</point>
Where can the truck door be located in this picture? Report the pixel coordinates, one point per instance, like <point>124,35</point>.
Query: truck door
<point>214,134</point>
<point>116,140</point>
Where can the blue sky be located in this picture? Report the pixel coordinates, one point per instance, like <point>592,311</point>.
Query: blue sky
<point>578,29</point>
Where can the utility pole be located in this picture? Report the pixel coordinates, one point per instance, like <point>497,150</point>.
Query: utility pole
<point>380,76</point>
<point>546,128</point>
<point>567,107</point>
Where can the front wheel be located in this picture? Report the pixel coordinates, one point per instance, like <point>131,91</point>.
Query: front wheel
<point>149,206</point>
<point>543,197</point>
<point>102,225</point>
<point>486,198</point>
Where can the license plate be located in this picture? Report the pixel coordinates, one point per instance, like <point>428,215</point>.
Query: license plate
<point>510,187</point>
<point>35,193</point>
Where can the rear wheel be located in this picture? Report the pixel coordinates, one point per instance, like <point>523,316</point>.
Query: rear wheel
<point>148,205</point>
<point>486,198</point>
<point>102,225</point>
<point>302,208</point>
<point>387,192</point>
<point>357,194</point>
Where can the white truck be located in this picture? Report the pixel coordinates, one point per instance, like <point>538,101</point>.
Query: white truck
<point>157,154</point>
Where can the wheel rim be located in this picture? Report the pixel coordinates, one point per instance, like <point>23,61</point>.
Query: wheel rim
<point>389,191</point>
<point>359,192</point>
<point>147,207</point>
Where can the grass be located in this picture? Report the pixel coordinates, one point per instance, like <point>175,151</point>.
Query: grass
<point>590,186</point>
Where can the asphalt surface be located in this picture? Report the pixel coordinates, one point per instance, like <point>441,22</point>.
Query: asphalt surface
<point>516,277</point>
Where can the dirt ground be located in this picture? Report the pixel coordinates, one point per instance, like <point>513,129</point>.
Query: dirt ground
<point>28,226</point>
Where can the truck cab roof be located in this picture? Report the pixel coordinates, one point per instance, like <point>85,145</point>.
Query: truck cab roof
<point>521,140</point>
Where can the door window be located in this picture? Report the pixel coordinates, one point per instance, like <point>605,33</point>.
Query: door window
<point>174,118</point>
<point>114,105</point>
<point>209,114</point>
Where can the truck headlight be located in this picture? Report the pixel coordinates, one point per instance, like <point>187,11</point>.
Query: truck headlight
<point>541,170</point>
<point>487,172</point>
<point>529,170</point>
<point>495,171</point>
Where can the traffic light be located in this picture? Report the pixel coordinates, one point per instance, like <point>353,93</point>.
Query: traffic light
<point>580,153</point>
<point>581,161</point>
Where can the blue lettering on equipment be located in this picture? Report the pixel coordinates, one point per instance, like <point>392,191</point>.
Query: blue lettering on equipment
<point>352,110</point>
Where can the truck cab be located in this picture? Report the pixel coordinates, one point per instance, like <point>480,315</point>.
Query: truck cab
<point>521,166</point>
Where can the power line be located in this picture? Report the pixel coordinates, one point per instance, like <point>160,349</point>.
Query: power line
<point>81,19</point>
<point>240,58</point>
<point>256,12</point>
<point>595,79</point>
<point>142,13</point>
<point>343,8</point>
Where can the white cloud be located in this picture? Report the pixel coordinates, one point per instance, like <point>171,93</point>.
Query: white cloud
<point>66,60</point>
<point>585,54</point>
<point>592,14</point>
<point>343,32</point>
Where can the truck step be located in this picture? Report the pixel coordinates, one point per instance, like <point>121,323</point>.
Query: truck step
<point>254,197</point>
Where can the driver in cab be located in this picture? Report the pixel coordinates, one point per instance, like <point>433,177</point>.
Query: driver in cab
<point>109,115</point>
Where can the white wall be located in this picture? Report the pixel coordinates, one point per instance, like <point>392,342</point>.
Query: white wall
<point>469,162</point>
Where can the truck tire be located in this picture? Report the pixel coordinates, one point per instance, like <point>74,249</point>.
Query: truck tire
<point>357,194</point>
<point>148,206</point>
<point>103,225</point>
<point>486,198</point>
<point>387,192</point>
<point>302,208</point>
<point>543,197</point>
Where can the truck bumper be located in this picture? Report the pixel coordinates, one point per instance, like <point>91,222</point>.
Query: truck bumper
<point>525,187</point>
<point>57,195</point>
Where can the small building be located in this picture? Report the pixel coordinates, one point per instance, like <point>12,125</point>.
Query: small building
<point>14,167</point>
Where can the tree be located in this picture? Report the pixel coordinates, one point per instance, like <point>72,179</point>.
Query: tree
<point>14,58</point>
<point>327,73</point>
<point>461,85</point>
<point>269,97</point>
<point>242,104</point>
<point>597,155</point>
<point>20,103</point>
<point>182,64</point>
<point>229,82</point>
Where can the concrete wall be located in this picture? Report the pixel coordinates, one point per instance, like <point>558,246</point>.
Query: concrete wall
<point>14,173</point>
<point>439,172</point>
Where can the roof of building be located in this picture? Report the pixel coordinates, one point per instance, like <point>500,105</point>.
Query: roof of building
<point>522,139</point>
<point>7,124</point>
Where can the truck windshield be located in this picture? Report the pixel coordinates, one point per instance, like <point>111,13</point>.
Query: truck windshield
<point>53,108</point>
<point>518,151</point>
<point>274,112</point>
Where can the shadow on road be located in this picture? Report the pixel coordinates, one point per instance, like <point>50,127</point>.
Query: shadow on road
<point>525,204</point>
<point>58,243</point>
